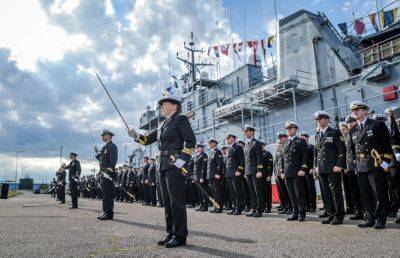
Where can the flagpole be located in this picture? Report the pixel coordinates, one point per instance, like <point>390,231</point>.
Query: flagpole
<point>245,32</point>
<point>234,60</point>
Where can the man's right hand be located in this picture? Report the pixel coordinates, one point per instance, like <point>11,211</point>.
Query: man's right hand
<point>283,176</point>
<point>201,180</point>
<point>132,133</point>
<point>237,173</point>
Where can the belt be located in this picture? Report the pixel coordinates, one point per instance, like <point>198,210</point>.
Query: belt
<point>169,152</point>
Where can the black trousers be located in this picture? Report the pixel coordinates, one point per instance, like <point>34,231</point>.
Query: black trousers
<point>256,192</point>
<point>267,186</point>
<point>61,193</point>
<point>331,185</point>
<point>152,193</point>
<point>373,191</point>
<point>216,188</point>
<point>172,184</point>
<point>297,193</point>
<point>246,193</point>
<point>158,188</point>
<point>347,193</point>
<point>283,193</point>
<point>226,199</point>
<point>236,191</point>
<point>311,191</point>
<point>146,193</point>
<point>73,187</point>
<point>354,191</point>
<point>107,188</point>
<point>393,181</point>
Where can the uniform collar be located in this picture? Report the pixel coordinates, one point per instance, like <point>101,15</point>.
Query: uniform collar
<point>363,121</point>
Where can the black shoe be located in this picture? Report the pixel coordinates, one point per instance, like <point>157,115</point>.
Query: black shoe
<point>324,215</point>
<point>61,202</point>
<point>99,217</point>
<point>293,218</point>
<point>251,214</point>
<point>213,210</point>
<point>218,210</point>
<point>237,213</point>
<point>312,210</point>
<point>106,217</point>
<point>267,210</point>
<point>203,209</point>
<point>357,217</point>
<point>328,220</point>
<point>397,221</point>
<point>163,242</point>
<point>73,207</point>
<point>190,206</point>
<point>246,210</point>
<point>283,211</point>
<point>230,212</point>
<point>289,212</point>
<point>302,218</point>
<point>368,224</point>
<point>174,243</point>
<point>336,221</point>
<point>257,215</point>
<point>379,224</point>
<point>392,214</point>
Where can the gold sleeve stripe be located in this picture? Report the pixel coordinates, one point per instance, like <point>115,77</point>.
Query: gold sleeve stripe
<point>304,166</point>
<point>188,151</point>
<point>387,156</point>
<point>260,166</point>
<point>240,167</point>
<point>396,146</point>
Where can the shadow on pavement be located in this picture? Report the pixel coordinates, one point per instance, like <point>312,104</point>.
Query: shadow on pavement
<point>195,233</point>
<point>214,251</point>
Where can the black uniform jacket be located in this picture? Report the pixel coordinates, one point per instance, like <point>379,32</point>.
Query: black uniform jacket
<point>214,164</point>
<point>108,158</point>
<point>294,157</point>
<point>253,157</point>
<point>200,166</point>
<point>74,168</point>
<point>175,137</point>
<point>235,160</point>
<point>268,163</point>
<point>374,136</point>
<point>330,151</point>
<point>152,174</point>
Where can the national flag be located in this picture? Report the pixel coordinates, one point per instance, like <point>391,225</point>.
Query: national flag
<point>372,18</point>
<point>269,41</point>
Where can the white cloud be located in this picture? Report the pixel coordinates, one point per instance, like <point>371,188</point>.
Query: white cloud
<point>25,30</point>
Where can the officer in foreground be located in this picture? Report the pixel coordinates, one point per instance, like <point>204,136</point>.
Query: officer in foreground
<point>74,168</point>
<point>176,142</point>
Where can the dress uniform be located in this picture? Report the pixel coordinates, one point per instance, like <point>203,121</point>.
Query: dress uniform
<point>124,179</point>
<point>225,192</point>
<point>234,164</point>
<point>74,168</point>
<point>118,192</point>
<point>176,141</point>
<point>145,182</point>
<point>285,203</point>
<point>200,175</point>
<point>371,145</point>
<point>191,194</point>
<point>268,164</point>
<point>294,161</point>
<point>330,160</point>
<point>214,168</point>
<point>311,197</point>
<point>61,176</point>
<point>108,158</point>
<point>253,166</point>
<point>152,183</point>
<point>350,175</point>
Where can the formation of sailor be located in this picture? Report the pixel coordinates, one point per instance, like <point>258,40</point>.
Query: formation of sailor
<point>361,157</point>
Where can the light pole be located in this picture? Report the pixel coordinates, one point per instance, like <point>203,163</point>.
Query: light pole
<point>16,166</point>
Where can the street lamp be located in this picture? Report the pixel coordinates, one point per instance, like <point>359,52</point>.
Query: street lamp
<point>16,166</point>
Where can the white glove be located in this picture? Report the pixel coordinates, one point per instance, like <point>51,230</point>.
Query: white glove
<point>132,133</point>
<point>397,156</point>
<point>384,165</point>
<point>179,163</point>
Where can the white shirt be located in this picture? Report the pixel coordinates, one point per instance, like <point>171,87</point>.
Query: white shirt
<point>323,130</point>
<point>362,122</point>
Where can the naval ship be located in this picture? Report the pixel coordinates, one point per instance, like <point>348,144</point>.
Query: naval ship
<point>317,68</point>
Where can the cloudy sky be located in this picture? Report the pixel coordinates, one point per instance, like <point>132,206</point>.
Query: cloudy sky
<point>49,47</point>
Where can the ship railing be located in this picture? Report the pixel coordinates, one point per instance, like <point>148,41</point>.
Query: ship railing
<point>376,53</point>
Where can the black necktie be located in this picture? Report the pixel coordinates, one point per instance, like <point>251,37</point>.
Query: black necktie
<point>361,126</point>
